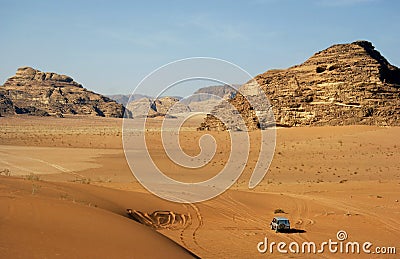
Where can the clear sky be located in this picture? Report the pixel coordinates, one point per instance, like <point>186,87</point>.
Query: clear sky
<point>110,46</point>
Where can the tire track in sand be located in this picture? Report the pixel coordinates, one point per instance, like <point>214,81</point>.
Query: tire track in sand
<point>200,221</point>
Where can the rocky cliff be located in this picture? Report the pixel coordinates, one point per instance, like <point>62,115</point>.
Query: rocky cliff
<point>31,91</point>
<point>345,84</point>
<point>6,105</point>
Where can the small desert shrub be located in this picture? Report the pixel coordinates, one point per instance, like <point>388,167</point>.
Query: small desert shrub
<point>82,180</point>
<point>35,188</point>
<point>5,172</point>
<point>279,211</point>
<point>104,180</point>
<point>64,196</point>
<point>32,177</point>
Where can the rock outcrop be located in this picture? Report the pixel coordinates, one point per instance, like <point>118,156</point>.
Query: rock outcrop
<point>170,105</point>
<point>6,105</point>
<point>34,92</point>
<point>345,84</point>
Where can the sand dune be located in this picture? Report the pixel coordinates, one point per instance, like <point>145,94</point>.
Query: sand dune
<point>41,219</point>
<point>325,180</point>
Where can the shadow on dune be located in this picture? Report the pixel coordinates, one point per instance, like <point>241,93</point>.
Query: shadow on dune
<point>292,231</point>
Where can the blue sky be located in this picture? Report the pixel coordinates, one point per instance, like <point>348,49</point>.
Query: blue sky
<point>110,46</point>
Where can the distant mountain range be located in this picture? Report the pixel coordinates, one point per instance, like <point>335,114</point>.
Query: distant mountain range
<point>204,99</point>
<point>124,98</point>
<point>202,94</point>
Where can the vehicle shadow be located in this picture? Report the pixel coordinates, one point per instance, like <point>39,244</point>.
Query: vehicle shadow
<point>293,231</point>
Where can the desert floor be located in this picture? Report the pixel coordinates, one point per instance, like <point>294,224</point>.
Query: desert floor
<point>65,186</point>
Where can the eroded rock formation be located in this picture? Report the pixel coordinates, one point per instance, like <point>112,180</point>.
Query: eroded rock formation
<point>345,84</point>
<point>34,92</point>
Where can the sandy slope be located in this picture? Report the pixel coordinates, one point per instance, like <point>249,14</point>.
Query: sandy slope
<point>46,220</point>
<point>325,179</point>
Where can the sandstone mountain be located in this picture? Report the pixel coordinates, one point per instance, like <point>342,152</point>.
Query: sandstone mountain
<point>206,98</point>
<point>31,91</point>
<point>124,98</point>
<point>156,107</point>
<point>345,84</point>
<point>205,93</point>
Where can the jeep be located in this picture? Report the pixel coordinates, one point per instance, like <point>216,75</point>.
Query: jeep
<point>280,224</point>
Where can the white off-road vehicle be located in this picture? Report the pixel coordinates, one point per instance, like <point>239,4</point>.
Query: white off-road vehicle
<point>280,224</point>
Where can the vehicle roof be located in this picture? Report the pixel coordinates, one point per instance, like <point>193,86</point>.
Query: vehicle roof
<point>281,218</point>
